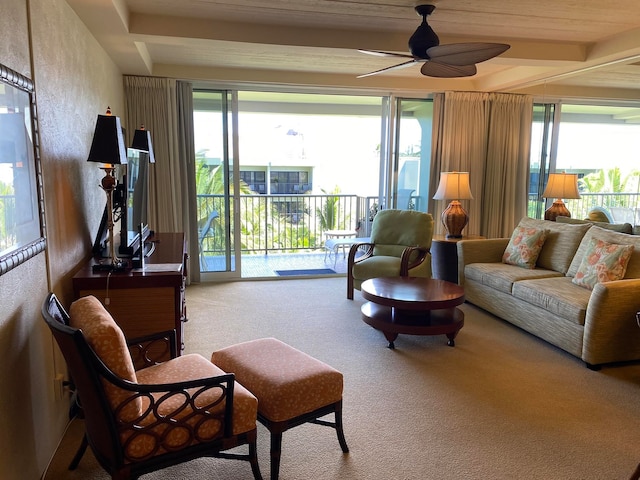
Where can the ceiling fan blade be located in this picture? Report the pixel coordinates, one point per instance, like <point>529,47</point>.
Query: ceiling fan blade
<point>394,67</point>
<point>385,54</point>
<point>442,70</point>
<point>466,53</point>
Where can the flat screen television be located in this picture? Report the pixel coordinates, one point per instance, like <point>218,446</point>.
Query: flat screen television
<point>134,205</point>
<point>130,203</point>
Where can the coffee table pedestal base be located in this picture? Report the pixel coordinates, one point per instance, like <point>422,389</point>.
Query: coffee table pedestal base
<point>392,321</point>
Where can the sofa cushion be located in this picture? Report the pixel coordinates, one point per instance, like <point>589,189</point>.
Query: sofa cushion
<point>602,262</point>
<point>560,245</point>
<point>557,295</point>
<point>633,267</point>
<point>502,276</point>
<point>616,227</point>
<point>524,246</point>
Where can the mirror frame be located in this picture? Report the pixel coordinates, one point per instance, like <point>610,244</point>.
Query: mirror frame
<point>31,247</point>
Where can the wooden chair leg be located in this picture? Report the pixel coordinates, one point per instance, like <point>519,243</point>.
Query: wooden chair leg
<point>636,474</point>
<point>253,459</point>
<point>339,429</point>
<point>79,453</point>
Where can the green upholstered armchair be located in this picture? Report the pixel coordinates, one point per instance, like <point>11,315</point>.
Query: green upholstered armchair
<point>400,246</point>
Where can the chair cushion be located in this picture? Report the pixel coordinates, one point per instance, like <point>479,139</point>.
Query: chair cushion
<point>287,382</point>
<point>376,266</point>
<point>205,428</point>
<point>392,230</point>
<point>106,339</point>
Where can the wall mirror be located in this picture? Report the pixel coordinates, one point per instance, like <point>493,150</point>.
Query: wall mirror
<point>21,200</point>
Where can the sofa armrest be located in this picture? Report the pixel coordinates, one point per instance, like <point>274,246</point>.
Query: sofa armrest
<point>610,327</point>
<point>487,250</point>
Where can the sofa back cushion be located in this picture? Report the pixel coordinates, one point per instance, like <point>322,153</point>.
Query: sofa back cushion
<point>633,268</point>
<point>560,245</point>
<point>616,227</point>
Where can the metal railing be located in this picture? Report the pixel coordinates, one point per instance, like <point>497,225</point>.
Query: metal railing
<point>625,207</point>
<point>284,223</point>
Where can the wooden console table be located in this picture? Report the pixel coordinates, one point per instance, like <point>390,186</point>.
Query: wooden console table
<point>144,302</point>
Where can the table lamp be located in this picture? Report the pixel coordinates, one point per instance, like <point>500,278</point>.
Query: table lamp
<point>109,149</point>
<point>454,186</point>
<point>142,142</point>
<point>559,186</point>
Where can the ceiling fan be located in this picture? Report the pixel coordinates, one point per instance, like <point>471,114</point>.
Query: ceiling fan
<point>444,61</point>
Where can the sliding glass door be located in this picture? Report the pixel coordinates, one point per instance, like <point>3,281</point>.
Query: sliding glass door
<point>279,172</point>
<point>214,144</point>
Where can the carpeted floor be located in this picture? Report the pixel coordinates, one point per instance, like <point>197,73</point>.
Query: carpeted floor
<point>501,404</point>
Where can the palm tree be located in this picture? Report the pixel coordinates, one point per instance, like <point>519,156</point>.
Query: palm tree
<point>329,213</point>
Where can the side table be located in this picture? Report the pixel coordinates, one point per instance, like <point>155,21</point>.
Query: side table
<point>444,256</point>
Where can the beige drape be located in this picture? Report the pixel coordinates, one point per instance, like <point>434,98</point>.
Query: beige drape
<point>164,107</point>
<point>489,136</point>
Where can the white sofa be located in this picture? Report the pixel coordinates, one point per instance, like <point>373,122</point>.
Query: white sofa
<point>598,326</point>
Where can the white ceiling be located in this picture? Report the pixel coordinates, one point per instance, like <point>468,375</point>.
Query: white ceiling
<point>559,48</point>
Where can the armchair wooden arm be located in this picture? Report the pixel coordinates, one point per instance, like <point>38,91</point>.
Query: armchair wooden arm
<point>351,260</point>
<point>153,349</point>
<point>406,262</point>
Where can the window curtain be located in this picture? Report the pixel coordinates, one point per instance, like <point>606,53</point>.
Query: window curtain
<point>489,136</point>
<point>164,107</point>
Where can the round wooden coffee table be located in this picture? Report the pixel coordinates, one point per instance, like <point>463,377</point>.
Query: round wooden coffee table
<point>414,306</point>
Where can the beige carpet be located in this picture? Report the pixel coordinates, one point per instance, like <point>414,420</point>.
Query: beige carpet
<point>501,404</point>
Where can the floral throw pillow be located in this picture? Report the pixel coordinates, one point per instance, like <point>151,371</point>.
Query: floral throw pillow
<point>524,246</point>
<point>602,262</point>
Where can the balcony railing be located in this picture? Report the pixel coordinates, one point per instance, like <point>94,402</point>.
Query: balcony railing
<point>295,223</point>
<point>625,207</point>
<point>285,223</point>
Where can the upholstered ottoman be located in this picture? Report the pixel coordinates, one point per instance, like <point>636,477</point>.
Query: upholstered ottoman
<point>292,388</point>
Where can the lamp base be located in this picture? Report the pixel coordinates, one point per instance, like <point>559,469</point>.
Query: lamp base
<point>558,209</point>
<point>454,218</point>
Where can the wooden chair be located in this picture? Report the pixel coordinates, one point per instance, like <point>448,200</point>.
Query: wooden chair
<point>160,414</point>
<point>399,246</point>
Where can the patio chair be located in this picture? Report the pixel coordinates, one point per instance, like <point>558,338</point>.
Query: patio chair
<point>162,414</point>
<point>399,246</point>
<point>403,201</point>
<point>202,234</point>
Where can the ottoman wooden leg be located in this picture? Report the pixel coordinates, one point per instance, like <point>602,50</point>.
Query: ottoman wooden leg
<point>276,452</point>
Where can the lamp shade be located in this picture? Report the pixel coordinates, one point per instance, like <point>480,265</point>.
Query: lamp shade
<point>142,142</point>
<point>108,141</point>
<point>453,186</point>
<point>562,185</point>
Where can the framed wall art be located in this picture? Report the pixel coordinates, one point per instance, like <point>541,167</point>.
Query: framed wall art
<point>21,200</point>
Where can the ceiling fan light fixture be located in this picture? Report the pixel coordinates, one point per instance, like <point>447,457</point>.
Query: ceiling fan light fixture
<point>422,40</point>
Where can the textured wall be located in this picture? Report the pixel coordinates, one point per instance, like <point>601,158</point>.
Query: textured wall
<point>14,40</point>
<point>75,80</point>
